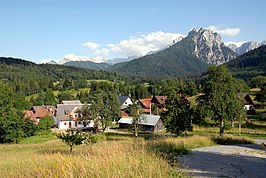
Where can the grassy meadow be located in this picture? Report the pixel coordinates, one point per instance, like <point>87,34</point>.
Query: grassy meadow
<point>120,155</point>
<point>115,156</point>
<point>124,158</point>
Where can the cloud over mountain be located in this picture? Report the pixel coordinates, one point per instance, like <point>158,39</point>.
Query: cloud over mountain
<point>138,45</point>
<point>225,31</point>
<point>91,45</point>
<point>236,43</point>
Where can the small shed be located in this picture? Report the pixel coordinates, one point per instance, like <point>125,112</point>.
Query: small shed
<point>150,123</point>
<point>125,122</point>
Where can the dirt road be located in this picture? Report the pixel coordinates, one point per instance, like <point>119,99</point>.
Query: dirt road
<point>246,160</point>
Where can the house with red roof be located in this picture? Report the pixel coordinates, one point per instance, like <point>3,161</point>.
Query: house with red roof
<point>145,105</point>
<point>38,112</point>
<point>159,100</point>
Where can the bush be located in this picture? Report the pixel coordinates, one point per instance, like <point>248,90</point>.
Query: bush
<point>46,123</point>
<point>92,139</point>
<point>225,140</point>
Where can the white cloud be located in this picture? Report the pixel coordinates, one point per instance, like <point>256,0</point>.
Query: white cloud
<point>91,45</point>
<point>225,31</point>
<point>142,44</point>
<point>138,45</point>
<point>237,43</point>
<point>102,52</point>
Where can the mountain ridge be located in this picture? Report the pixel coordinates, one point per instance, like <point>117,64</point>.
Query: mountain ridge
<point>245,47</point>
<point>190,56</point>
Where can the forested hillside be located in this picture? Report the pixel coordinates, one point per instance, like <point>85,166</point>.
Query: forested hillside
<point>249,64</point>
<point>29,78</point>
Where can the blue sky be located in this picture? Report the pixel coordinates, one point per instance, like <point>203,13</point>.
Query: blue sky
<point>39,30</point>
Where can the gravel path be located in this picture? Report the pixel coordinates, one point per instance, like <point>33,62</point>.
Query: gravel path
<point>245,160</point>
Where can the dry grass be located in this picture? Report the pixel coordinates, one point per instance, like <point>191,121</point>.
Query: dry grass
<point>106,159</point>
<point>170,148</point>
<point>119,157</point>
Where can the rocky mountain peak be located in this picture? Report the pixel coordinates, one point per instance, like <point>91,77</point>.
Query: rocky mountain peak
<point>233,47</point>
<point>209,47</point>
<point>247,46</point>
<point>205,35</point>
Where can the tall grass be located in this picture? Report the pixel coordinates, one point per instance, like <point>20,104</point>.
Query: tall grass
<point>117,157</point>
<point>172,147</point>
<point>106,159</point>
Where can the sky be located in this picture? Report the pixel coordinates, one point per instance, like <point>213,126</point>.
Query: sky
<point>42,30</point>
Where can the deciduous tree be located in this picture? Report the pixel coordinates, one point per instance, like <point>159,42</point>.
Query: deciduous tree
<point>178,114</point>
<point>221,97</point>
<point>72,138</point>
<point>135,113</point>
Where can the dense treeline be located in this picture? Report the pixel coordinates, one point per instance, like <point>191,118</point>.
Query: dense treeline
<point>29,78</point>
<point>136,91</point>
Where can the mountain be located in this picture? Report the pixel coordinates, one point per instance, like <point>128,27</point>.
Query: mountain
<point>51,62</point>
<point>87,65</point>
<point>245,47</point>
<point>190,56</point>
<point>119,60</point>
<point>249,64</point>
<point>209,47</point>
<point>73,57</point>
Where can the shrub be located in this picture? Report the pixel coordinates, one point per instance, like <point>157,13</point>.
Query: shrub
<point>46,123</point>
<point>226,140</point>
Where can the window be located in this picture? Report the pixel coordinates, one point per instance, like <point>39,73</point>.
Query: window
<point>65,123</point>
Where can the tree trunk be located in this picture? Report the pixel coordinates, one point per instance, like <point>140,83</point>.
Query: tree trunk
<point>136,130</point>
<point>222,127</point>
<point>71,148</point>
<point>104,128</point>
<point>136,134</point>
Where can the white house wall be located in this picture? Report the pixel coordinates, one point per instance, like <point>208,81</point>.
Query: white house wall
<point>248,107</point>
<point>128,102</point>
<point>65,124</point>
